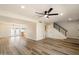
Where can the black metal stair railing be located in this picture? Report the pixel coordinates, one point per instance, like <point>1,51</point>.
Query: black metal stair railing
<point>60,29</point>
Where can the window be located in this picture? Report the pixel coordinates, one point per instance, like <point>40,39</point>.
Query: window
<point>17,29</point>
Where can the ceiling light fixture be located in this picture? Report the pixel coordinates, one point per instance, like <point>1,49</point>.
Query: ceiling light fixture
<point>46,16</point>
<point>22,7</point>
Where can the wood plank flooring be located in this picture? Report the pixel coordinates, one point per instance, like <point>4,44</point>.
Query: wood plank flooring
<point>23,46</point>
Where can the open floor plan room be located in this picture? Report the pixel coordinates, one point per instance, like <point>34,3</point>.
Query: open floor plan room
<point>39,29</point>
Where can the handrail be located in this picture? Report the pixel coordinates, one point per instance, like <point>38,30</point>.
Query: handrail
<point>60,29</point>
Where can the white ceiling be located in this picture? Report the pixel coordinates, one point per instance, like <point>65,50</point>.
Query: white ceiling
<point>68,10</point>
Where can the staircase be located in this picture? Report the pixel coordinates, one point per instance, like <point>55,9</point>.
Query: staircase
<point>60,29</point>
<point>55,31</point>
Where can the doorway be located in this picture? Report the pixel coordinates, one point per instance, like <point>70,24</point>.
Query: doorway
<point>16,35</point>
<point>17,30</point>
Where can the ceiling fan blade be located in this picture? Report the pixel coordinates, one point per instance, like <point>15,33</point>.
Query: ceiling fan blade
<point>50,10</point>
<point>39,13</point>
<point>53,14</point>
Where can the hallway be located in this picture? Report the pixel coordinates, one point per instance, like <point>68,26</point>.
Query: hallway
<point>23,46</point>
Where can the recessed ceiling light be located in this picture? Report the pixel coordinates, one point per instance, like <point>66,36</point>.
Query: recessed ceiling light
<point>61,14</point>
<point>70,19</point>
<point>22,7</point>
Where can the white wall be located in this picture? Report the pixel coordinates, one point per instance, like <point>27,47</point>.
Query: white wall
<point>50,32</point>
<point>40,31</point>
<point>72,27</point>
<point>30,28</point>
<point>53,33</point>
<point>35,31</point>
<point>4,30</point>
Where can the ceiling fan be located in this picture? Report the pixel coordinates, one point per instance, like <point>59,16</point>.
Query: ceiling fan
<point>47,13</point>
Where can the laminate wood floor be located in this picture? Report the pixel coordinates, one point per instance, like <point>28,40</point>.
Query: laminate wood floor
<point>24,46</point>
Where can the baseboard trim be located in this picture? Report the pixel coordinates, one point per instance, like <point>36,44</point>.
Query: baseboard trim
<point>54,38</point>
<point>64,41</point>
<point>72,38</point>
